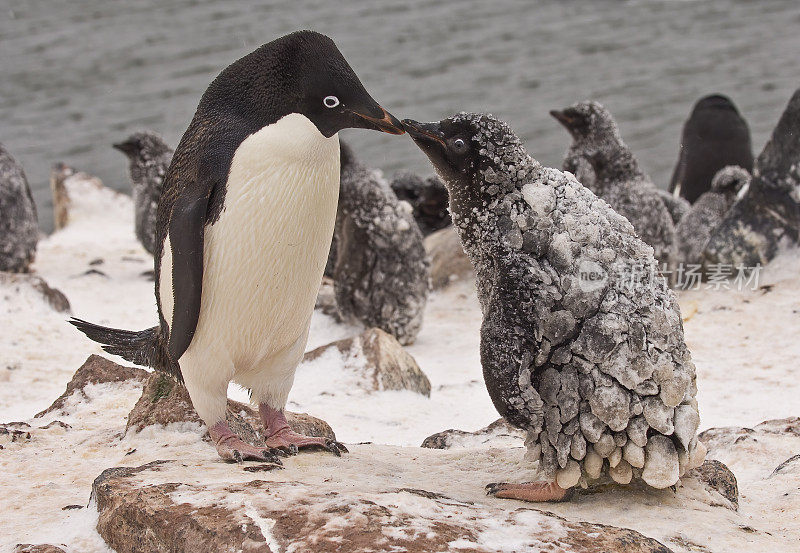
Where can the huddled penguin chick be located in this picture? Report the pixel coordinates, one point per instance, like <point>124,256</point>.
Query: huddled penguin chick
<point>19,227</point>
<point>581,342</point>
<point>707,212</point>
<point>767,217</point>
<point>678,207</point>
<point>714,136</point>
<point>617,176</point>
<point>243,230</point>
<point>428,197</point>
<point>149,159</point>
<point>381,274</point>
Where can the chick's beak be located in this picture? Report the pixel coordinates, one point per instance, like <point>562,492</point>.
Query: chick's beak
<point>561,117</point>
<point>424,132</point>
<point>386,123</point>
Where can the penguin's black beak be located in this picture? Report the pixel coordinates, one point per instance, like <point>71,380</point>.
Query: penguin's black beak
<point>384,122</point>
<point>425,134</point>
<point>562,117</point>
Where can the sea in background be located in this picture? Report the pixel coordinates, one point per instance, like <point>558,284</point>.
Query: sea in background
<point>79,75</point>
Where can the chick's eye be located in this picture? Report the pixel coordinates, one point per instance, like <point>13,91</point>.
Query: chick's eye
<point>331,101</point>
<point>459,145</point>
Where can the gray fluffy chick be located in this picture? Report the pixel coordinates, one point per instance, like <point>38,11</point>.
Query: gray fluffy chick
<point>149,158</point>
<point>618,179</point>
<point>428,198</point>
<point>19,227</point>
<point>767,217</point>
<point>707,212</point>
<point>591,364</point>
<point>381,273</point>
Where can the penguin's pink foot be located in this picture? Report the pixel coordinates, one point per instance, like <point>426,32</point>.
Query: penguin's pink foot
<point>540,491</point>
<point>280,436</point>
<point>232,448</point>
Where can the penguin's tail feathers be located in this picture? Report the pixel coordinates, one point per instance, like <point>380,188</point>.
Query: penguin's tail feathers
<point>143,347</point>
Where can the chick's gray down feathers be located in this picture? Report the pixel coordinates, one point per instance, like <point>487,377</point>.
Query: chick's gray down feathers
<point>592,365</point>
<point>381,272</point>
<point>19,227</point>
<point>149,158</point>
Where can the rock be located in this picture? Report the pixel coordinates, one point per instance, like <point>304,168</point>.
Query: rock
<point>605,445</point>
<point>593,463</point>
<point>633,454</point>
<point>615,457</point>
<point>95,370</point>
<point>147,509</point>
<point>52,296</point>
<point>326,298</point>
<point>568,476</point>
<point>687,420</point>
<point>611,404</point>
<point>577,449</point>
<point>658,415</point>
<point>661,462</point>
<point>448,260</point>
<point>380,359</point>
<point>165,401</point>
<point>66,182</point>
<point>621,473</point>
<point>637,431</point>
<point>498,434</point>
<point>591,427</point>
<point>718,477</point>
<point>38,548</point>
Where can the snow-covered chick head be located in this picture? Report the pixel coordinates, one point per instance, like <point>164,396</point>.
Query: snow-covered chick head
<point>588,122</point>
<point>477,156</point>
<point>143,146</point>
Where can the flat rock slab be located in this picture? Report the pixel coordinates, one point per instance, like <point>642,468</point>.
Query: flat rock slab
<point>160,507</point>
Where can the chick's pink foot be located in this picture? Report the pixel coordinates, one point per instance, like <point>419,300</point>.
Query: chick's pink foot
<point>539,491</point>
<point>278,434</point>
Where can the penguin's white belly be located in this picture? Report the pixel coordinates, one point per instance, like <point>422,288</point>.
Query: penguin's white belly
<point>263,258</point>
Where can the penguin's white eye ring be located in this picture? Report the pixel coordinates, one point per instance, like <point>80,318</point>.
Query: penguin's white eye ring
<point>459,145</point>
<point>331,101</point>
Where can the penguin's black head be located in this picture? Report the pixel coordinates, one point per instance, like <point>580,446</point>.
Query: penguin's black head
<point>304,73</point>
<point>586,121</point>
<point>475,155</point>
<point>714,102</point>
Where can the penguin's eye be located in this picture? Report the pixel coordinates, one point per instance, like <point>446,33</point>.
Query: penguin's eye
<point>331,101</point>
<point>459,146</point>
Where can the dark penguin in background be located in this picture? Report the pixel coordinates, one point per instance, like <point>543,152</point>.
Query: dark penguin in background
<point>618,179</point>
<point>591,363</point>
<point>767,217</point>
<point>427,196</point>
<point>381,275</point>
<point>708,212</point>
<point>714,136</point>
<point>19,227</point>
<point>244,227</point>
<point>149,158</point>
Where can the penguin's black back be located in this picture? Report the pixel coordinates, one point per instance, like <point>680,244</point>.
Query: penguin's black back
<point>714,136</point>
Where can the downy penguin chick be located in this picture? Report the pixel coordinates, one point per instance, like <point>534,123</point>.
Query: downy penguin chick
<point>618,178</point>
<point>767,217</point>
<point>589,360</point>
<point>19,227</point>
<point>714,136</point>
<point>427,196</point>
<point>707,212</point>
<point>381,275</point>
<point>149,158</point>
<point>244,227</point>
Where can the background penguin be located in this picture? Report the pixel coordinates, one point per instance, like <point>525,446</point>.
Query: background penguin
<point>618,178</point>
<point>593,365</point>
<point>19,227</point>
<point>707,212</point>
<point>427,196</point>
<point>244,228</point>
<point>678,207</point>
<point>149,159</point>
<point>714,136</point>
<point>768,215</point>
<point>381,274</point>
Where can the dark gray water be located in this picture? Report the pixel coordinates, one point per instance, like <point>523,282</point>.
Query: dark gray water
<point>78,75</point>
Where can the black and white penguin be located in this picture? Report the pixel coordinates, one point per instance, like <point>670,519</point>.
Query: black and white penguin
<point>244,227</point>
<point>589,360</point>
<point>381,275</point>
<point>714,136</point>
<point>707,212</point>
<point>19,227</point>
<point>767,217</point>
<point>618,179</point>
<point>149,158</point>
<point>427,196</point>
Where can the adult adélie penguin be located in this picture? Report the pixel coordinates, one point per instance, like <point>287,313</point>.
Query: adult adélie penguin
<point>243,231</point>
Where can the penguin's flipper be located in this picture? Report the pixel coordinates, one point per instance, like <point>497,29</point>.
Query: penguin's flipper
<point>186,231</point>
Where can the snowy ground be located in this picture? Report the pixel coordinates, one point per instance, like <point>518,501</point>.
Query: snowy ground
<point>744,345</point>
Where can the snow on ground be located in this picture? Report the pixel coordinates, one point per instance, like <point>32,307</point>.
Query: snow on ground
<point>744,344</point>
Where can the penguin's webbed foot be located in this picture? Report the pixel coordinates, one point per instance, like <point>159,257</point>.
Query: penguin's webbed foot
<point>231,447</point>
<point>540,491</point>
<point>280,436</point>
